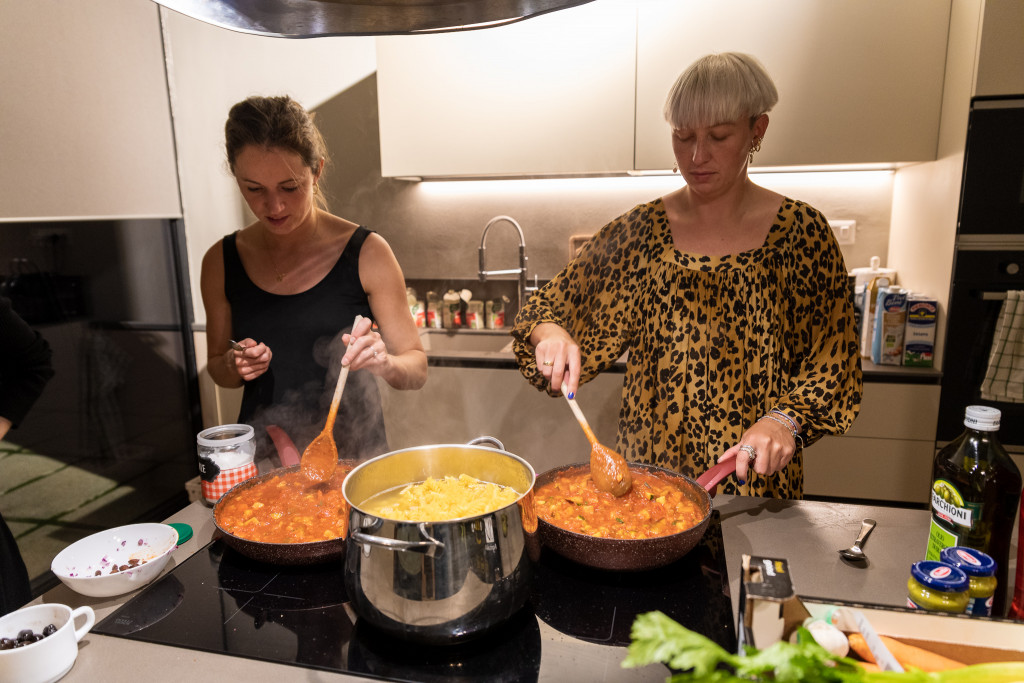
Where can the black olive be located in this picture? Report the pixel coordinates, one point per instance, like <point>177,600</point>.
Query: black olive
<point>25,634</point>
<point>7,643</point>
<point>49,630</point>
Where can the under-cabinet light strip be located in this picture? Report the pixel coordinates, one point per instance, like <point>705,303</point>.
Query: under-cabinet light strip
<point>646,183</point>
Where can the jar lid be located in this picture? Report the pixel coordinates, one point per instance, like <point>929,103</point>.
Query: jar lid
<point>972,562</point>
<point>939,576</point>
<point>184,531</point>
<point>982,418</point>
<point>225,435</point>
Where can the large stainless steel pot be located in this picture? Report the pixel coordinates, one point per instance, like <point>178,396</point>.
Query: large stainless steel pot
<point>440,582</point>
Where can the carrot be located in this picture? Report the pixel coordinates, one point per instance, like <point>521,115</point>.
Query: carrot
<point>907,655</point>
<point>860,647</point>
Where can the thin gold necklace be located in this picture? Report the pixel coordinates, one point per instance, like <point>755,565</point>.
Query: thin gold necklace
<point>270,252</point>
<point>270,255</point>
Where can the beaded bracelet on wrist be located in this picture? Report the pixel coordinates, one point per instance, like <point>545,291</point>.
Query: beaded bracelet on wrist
<point>797,439</point>
<point>793,424</point>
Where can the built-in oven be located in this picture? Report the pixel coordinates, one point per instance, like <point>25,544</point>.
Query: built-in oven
<point>988,262</point>
<point>992,194</point>
<point>981,279</point>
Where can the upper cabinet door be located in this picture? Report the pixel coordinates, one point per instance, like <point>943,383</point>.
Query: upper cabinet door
<point>860,81</point>
<point>86,117</point>
<point>550,95</point>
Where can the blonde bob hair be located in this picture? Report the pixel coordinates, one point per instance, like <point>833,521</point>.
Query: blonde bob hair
<point>718,88</point>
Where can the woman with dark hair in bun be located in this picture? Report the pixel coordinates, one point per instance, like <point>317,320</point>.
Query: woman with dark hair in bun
<point>288,286</point>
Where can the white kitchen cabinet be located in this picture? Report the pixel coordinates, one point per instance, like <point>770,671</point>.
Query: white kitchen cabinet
<point>86,116</point>
<point>1001,49</point>
<point>551,95</point>
<point>887,454</point>
<point>859,81</point>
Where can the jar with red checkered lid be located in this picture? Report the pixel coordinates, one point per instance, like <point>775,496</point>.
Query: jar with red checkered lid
<point>226,456</point>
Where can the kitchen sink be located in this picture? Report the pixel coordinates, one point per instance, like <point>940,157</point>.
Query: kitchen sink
<point>466,341</point>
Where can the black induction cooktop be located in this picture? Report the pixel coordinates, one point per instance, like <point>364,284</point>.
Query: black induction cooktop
<point>220,601</point>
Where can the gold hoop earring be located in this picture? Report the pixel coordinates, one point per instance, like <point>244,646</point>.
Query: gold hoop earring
<point>316,189</point>
<point>755,146</point>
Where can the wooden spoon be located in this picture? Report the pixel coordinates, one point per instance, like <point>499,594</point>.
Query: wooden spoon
<point>608,469</point>
<point>321,455</point>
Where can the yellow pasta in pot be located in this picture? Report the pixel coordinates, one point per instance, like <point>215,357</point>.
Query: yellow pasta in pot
<point>439,500</point>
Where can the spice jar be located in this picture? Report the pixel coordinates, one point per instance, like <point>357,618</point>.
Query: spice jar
<point>981,572</point>
<point>226,455</point>
<point>937,587</point>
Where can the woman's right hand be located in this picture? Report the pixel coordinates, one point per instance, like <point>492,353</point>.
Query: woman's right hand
<point>251,362</point>
<point>557,355</point>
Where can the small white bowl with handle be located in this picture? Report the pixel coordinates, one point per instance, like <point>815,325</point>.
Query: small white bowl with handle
<point>48,659</point>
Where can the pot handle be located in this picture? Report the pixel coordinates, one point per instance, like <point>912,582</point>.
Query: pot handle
<point>429,546</point>
<point>716,473</point>
<point>485,440</point>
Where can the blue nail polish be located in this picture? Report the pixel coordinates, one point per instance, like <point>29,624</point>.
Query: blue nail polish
<point>572,394</point>
<point>741,482</point>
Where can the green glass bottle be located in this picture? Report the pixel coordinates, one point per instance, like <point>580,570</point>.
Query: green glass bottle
<point>975,491</point>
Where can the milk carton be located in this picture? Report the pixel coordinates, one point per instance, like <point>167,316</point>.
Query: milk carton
<point>919,333</point>
<point>890,324</point>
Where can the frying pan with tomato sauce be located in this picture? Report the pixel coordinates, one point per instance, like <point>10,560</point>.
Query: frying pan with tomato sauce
<point>632,554</point>
<point>306,553</point>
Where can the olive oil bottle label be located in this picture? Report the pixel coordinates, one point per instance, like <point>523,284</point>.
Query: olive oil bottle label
<point>949,505</point>
<point>952,518</point>
<point>939,539</point>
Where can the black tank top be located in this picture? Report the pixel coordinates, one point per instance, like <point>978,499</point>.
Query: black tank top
<point>304,332</point>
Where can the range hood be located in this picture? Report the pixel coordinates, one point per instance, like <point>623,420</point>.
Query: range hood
<point>315,18</point>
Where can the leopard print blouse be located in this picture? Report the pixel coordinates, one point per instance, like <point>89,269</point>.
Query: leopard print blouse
<point>714,342</point>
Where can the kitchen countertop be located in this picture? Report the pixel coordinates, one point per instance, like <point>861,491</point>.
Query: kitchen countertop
<point>807,534</point>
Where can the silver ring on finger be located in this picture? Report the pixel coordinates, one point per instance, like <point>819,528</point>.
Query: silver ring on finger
<point>375,351</point>
<point>750,451</point>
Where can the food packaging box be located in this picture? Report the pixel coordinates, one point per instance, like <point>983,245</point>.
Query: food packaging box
<point>868,302</point>
<point>967,639</point>
<point>770,610</point>
<point>890,324</point>
<point>769,607</point>
<point>919,333</point>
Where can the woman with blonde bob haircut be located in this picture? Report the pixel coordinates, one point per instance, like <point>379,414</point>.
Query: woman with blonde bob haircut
<point>732,303</point>
<point>720,87</point>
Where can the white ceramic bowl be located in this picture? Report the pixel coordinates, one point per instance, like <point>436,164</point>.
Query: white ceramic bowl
<point>49,659</point>
<point>78,564</point>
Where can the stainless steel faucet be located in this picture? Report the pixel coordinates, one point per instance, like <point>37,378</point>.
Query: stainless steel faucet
<point>520,271</point>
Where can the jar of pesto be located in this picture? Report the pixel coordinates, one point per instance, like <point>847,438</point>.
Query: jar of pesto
<point>981,572</point>
<point>937,587</point>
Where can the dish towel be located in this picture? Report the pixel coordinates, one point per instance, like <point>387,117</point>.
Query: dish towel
<point>1004,379</point>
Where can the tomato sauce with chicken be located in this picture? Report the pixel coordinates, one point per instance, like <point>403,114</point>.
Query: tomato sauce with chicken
<point>654,506</point>
<point>288,508</point>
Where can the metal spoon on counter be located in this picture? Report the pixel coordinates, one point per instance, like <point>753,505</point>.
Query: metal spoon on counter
<point>854,552</point>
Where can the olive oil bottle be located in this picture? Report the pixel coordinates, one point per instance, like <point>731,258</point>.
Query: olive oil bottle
<point>975,491</point>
